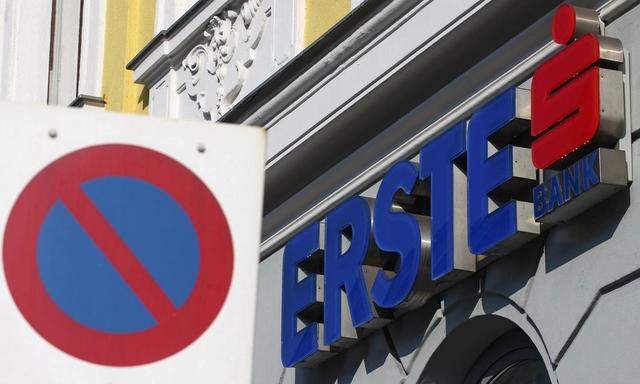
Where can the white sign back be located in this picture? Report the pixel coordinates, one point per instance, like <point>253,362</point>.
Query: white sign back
<point>130,248</point>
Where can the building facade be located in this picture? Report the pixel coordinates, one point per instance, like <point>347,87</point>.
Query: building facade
<point>359,98</point>
<point>83,47</point>
<point>557,306</point>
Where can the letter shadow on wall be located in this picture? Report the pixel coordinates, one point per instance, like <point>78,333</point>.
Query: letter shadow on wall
<point>372,352</point>
<point>578,235</point>
<point>383,346</point>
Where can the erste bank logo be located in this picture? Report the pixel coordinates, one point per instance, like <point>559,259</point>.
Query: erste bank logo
<point>577,115</point>
<point>569,106</point>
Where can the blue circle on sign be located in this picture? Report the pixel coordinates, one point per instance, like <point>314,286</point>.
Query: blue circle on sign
<point>79,276</point>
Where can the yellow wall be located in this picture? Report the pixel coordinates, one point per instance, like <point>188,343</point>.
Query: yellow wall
<point>321,15</point>
<point>129,27</point>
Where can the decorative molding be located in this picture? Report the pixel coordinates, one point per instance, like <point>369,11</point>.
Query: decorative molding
<point>216,70</point>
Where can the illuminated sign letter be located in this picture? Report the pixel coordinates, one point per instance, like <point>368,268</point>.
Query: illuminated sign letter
<point>344,271</point>
<point>296,296</point>
<point>398,232</point>
<point>436,165</point>
<point>500,231</point>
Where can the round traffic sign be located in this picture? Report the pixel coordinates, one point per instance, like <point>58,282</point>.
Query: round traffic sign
<point>118,255</point>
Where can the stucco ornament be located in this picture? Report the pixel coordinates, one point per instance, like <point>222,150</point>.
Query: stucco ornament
<point>200,69</point>
<point>216,70</point>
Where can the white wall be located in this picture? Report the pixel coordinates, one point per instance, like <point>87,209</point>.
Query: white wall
<point>24,50</point>
<point>168,11</point>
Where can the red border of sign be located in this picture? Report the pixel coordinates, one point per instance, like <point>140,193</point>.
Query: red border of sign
<point>171,335</point>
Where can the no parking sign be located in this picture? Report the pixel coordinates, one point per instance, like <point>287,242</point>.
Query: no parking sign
<point>130,248</point>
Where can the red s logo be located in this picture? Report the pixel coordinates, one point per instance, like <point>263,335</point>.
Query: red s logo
<point>568,110</point>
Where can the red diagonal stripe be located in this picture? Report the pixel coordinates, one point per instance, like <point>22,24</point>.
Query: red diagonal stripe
<point>117,251</point>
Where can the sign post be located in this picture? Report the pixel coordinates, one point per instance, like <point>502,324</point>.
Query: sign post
<point>129,249</point>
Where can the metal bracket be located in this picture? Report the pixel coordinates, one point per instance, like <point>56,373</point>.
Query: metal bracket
<point>625,143</point>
